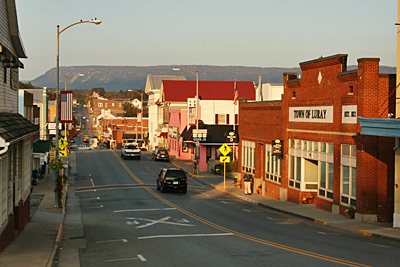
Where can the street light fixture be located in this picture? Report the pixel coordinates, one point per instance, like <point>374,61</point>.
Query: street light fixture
<point>96,22</point>
<point>197,108</point>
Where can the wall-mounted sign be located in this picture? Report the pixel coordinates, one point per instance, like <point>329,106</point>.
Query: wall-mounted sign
<point>199,134</point>
<point>349,114</point>
<point>173,132</point>
<point>277,147</point>
<point>231,136</point>
<point>322,114</point>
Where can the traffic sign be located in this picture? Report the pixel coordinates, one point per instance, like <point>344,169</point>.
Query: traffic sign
<point>63,153</point>
<point>225,159</point>
<point>224,149</point>
<point>62,143</point>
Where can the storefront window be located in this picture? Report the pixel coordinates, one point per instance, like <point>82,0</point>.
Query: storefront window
<point>348,174</point>
<point>272,165</point>
<point>248,150</point>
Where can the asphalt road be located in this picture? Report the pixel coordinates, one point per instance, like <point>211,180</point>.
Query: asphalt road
<point>127,222</point>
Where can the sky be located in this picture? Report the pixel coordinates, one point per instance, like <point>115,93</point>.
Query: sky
<point>253,33</point>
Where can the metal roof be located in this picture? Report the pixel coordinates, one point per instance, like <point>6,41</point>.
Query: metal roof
<point>14,126</point>
<point>180,91</point>
<point>380,126</point>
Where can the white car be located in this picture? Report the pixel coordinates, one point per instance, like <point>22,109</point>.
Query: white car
<point>130,150</point>
<point>84,147</point>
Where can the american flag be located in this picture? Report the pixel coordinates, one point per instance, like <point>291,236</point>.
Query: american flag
<point>235,94</point>
<point>66,106</point>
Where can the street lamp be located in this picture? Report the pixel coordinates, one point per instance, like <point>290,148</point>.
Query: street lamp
<point>96,22</point>
<point>197,108</point>
<point>56,154</point>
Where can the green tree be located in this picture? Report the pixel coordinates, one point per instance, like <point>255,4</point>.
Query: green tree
<point>99,90</point>
<point>130,110</point>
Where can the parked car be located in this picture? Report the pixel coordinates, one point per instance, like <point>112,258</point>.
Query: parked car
<point>173,179</point>
<point>160,154</point>
<point>130,150</point>
<point>85,147</point>
<point>73,147</point>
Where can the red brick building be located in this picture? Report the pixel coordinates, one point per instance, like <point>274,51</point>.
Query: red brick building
<point>322,152</point>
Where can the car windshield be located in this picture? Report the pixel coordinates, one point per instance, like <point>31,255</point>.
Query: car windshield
<point>163,152</point>
<point>176,174</point>
<point>131,146</point>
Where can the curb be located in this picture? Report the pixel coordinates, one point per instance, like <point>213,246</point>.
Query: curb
<point>56,248</point>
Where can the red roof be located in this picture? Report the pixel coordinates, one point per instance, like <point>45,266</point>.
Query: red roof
<point>180,91</point>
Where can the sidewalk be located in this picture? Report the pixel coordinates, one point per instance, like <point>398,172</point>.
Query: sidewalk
<point>306,211</point>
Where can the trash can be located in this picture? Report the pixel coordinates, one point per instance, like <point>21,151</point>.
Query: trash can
<point>210,165</point>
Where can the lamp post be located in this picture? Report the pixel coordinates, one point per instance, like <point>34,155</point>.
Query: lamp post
<point>96,22</point>
<point>197,109</point>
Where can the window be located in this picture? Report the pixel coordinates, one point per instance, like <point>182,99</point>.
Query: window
<point>348,174</point>
<point>105,104</point>
<point>272,165</point>
<point>120,105</point>
<point>221,119</point>
<point>311,166</point>
<point>112,104</point>
<point>248,152</point>
<point>100,105</point>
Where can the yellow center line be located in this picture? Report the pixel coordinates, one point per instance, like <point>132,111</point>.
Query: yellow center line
<point>248,237</point>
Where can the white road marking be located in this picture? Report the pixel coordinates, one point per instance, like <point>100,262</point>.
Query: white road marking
<point>247,210</point>
<point>143,210</point>
<point>273,219</point>
<point>117,240</point>
<point>225,202</point>
<point>140,257</point>
<point>92,198</point>
<point>382,246</point>
<point>152,222</point>
<point>169,236</point>
<point>92,182</point>
<point>101,206</point>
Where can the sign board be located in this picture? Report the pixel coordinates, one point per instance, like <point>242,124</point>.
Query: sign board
<point>277,147</point>
<point>224,149</point>
<point>52,126</point>
<point>62,143</point>
<point>231,136</point>
<point>311,114</point>
<point>199,134</point>
<point>63,153</point>
<point>225,159</point>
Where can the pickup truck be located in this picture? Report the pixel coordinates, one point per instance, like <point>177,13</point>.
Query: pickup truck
<point>130,150</point>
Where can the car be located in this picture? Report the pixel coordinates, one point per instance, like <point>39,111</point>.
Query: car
<point>72,140</point>
<point>172,179</point>
<point>160,154</point>
<point>85,147</point>
<point>73,147</point>
<point>130,150</point>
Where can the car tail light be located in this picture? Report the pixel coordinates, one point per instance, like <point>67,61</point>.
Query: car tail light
<point>186,180</point>
<point>165,180</point>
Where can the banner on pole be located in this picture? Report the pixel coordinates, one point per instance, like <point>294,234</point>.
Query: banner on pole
<point>66,106</point>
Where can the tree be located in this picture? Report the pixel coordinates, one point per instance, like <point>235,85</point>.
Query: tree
<point>99,90</point>
<point>130,110</point>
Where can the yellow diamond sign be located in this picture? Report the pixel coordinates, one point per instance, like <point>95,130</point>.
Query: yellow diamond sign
<point>224,149</point>
<point>62,143</point>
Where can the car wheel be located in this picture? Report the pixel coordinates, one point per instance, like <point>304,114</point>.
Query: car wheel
<point>184,190</point>
<point>163,189</point>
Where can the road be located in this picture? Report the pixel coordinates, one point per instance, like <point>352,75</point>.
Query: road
<point>127,222</point>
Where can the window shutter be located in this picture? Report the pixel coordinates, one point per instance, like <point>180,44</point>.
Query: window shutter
<point>227,118</point>
<point>236,119</point>
<point>216,119</point>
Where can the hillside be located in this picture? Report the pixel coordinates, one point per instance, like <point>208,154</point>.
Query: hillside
<point>116,78</point>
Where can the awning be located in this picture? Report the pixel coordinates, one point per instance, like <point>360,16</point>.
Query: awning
<point>165,135</point>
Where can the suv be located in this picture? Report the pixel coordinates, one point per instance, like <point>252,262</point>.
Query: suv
<point>160,154</point>
<point>172,178</point>
<point>130,150</point>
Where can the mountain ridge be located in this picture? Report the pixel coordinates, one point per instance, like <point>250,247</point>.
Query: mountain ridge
<point>116,78</point>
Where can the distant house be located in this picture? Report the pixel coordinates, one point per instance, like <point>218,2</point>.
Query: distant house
<point>177,109</point>
<point>152,89</point>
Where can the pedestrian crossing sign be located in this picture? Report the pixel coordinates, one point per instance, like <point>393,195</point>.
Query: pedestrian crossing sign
<point>62,143</point>
<point>224,149</point>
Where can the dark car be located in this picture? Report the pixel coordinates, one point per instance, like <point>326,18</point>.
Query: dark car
<point>160,154</point>
<point>172,179</point>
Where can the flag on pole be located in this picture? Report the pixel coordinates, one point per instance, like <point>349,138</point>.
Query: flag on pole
<point>235,94</point>
<point>66,106</point>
